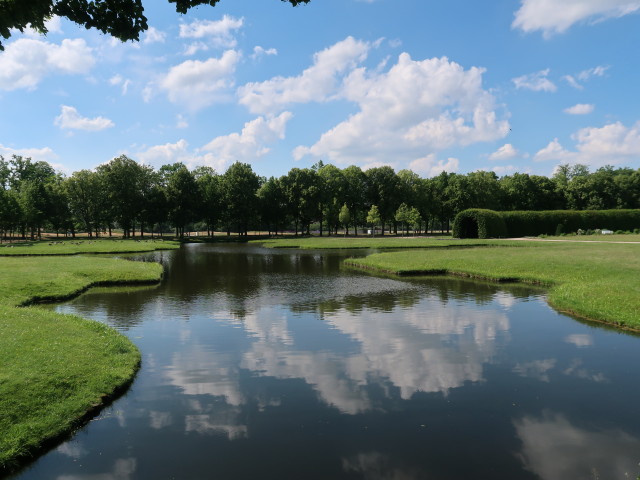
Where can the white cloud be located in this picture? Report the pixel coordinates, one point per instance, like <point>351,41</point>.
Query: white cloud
<point>122,82</point>
<point>538,82</point>
<point>218,33</point>
<point>429,166</point>
<point>247,145</point>
<point>45,154</point>
<point>153,35</point>
<point>70,119</point>
<point>25,62</point>
<point>553,151</point>
<point>316,84</point>
<point>168,153</point>
<point>505,169</point>
<point>551,17</point>
<point>198,84</point>
<point>259,51</point>
<point>597,146</point>
<point>583,76</point>
<point>580,109</point>
<point>505,152</point>
<point>415,109</point>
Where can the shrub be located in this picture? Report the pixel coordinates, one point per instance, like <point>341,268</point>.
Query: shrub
<point>479,223</point>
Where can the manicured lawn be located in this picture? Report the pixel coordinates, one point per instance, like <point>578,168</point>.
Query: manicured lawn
<point>363,242</point>
<point>56,369</point>
<point>597,281</point>
<point>84,245</point>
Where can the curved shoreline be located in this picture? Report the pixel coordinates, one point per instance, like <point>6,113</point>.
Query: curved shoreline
<point>104,362</point>
<point>594,284</point>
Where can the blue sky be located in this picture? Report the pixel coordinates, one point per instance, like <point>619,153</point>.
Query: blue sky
<point>457,85</point>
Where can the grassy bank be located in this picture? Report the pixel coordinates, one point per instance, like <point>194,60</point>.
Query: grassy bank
<point>56,370</point>
<point>593,280</point>
<point>364,242</point>
<point>74,247</point>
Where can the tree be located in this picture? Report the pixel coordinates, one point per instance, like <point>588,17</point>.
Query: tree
<point>124,180</point>
<point>239,187</point>
<point>182,197</point>
<point>345,218</point>
<point>123,19</point>
<point>272,204</point>
<point>383,190</point>
<point>373,218</point>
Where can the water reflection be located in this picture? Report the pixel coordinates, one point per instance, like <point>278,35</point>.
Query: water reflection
<point>556,449</point>
<point>263,364</point>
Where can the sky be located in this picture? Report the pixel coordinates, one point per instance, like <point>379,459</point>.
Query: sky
<point>456,85</point>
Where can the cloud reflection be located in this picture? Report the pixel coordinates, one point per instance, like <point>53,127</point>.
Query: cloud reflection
<point>555,449</point>
<point>124,469</point>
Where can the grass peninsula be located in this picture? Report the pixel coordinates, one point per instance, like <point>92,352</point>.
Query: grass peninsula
<point>57,370</point>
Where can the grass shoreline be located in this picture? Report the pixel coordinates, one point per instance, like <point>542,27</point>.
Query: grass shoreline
<point>593,281</point>
<point>64,369</point>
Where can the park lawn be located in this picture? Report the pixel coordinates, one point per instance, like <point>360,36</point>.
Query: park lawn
<point>596,281</point>
<point>84,245</point>
<point>379,242</point>
<point>55,370</point>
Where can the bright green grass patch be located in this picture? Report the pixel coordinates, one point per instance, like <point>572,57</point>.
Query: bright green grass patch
<point>365,242</point>
<point>596,281</point>
<point>73,247</point>
<point>55,369</point>
<point>597,238</point>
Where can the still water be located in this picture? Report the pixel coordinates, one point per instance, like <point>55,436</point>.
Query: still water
<point>263,364</point>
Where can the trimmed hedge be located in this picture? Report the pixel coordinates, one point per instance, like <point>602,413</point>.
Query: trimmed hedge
<point>479,223</point>
<point>534,223</point>
<point>526,224</point>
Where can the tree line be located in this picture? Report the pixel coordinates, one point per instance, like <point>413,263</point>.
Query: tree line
<point>139,200</point>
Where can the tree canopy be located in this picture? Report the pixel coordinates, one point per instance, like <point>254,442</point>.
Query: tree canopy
<point>123,19</point>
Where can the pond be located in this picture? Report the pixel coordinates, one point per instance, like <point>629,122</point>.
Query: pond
<point>283,364</point>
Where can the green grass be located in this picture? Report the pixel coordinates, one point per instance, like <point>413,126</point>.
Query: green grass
<point>74,247</point>
<point>363,242</point>
<point>596,281</point>
<point>56,369</point>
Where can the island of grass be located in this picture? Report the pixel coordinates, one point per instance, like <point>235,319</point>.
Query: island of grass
<point>57,370</point>
<point>595,281</point>
<point>76,246</point>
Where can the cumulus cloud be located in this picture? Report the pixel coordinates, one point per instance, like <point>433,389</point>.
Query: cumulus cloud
<point>259,51</point>
<point>430,166</point>
<point>612,144</point>
<point>552,18</point>
<point>505,152</point>
<point>538,82</point>
<point>214,33</point>
<point>316,84</point>
<point>580,109</point>
<point>70,119</point>
<point>153,35</point>
<point>248,145</point>
<point>414,109</point>
<point>198,84</point>
<point>45,154</point>
<point>251,143</point>
<point>25,62</point>
<point>168,153</point>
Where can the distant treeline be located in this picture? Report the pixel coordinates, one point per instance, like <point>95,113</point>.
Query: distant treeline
<point>139,200</point>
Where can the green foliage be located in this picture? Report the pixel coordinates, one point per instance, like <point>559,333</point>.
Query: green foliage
<point>479,223</point>
<point>533,223</point>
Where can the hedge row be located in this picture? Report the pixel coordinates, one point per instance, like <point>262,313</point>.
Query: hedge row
<point>479,223</point>
<point>533,223</point>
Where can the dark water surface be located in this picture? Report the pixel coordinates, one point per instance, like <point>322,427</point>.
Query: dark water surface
<point>263,364</point>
